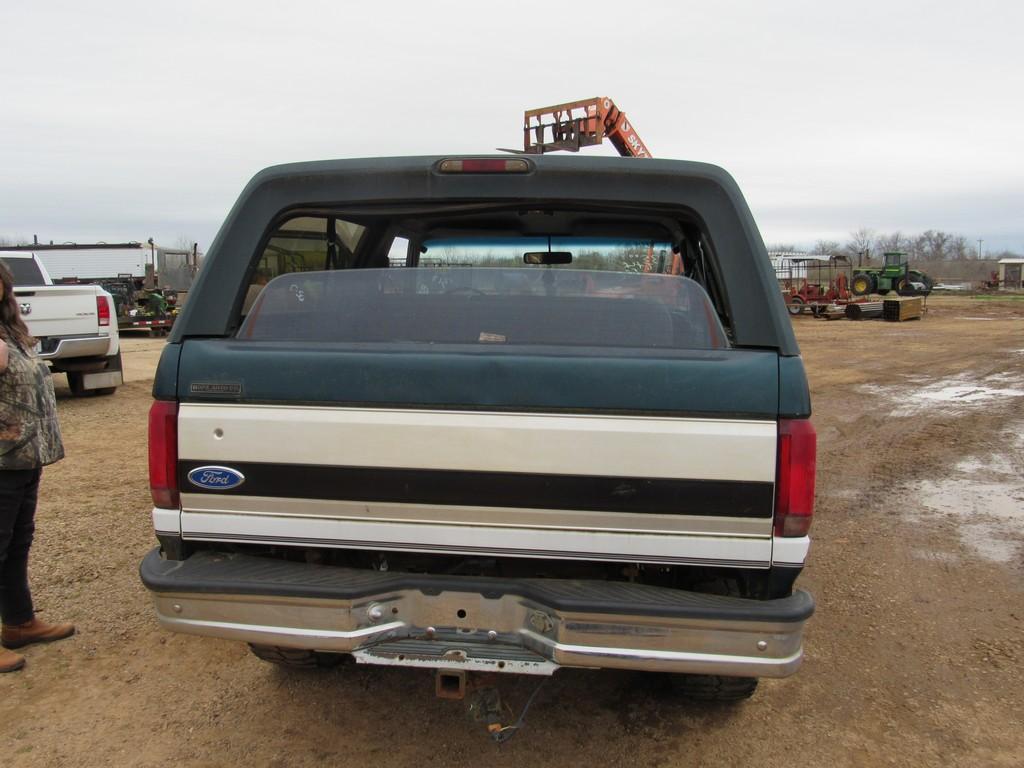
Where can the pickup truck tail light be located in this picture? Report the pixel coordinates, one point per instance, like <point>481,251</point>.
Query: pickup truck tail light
<point>794,483</point>
<point>163,454</point>
<point>103,310</point>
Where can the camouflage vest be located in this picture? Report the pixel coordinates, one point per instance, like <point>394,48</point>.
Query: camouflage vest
<point>29,432</point>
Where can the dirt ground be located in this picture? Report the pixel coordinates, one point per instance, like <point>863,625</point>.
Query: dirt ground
<point>914,656</point>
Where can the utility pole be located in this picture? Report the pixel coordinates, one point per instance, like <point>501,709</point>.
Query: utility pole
<point>980,241</point>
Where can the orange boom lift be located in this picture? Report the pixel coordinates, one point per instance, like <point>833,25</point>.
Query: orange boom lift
<point>578,124</point>
<point>567,127</point>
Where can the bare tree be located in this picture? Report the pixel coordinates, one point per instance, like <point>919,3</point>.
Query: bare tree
<point>896,241</point>
<point>781,248</point>
<point>960,249</point>
<point>860,245</point>
<point>932,245</point>
<point>828,247</point>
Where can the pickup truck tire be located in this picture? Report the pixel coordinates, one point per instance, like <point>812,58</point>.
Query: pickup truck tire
<point>713,687</point>
<point>296,658</point>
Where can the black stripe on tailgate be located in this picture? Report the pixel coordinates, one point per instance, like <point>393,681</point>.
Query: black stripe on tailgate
<point>716,498</point>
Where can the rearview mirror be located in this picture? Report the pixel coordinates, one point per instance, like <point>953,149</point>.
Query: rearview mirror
<point>547,257</point>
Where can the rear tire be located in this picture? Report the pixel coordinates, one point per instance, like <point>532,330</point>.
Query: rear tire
<point>861,284</point>
<point>714,687</point>
<point>296,658</point>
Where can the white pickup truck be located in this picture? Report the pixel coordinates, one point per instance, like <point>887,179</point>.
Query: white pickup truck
<point>74,326</point>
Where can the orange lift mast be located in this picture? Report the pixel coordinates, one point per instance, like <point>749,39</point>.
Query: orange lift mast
<point>580,124</point>
<point>585,124</point>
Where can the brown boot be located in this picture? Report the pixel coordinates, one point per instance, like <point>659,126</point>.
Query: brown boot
<point>35,631</point>
<point>10,661</point>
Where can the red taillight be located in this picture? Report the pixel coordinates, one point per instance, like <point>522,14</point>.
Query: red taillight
<point>794,483</point>
<point>163,454</point>
<point>484,165</point>
<point>103,310</point>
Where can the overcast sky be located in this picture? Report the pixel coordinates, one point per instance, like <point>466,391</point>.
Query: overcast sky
<point>126,120</point>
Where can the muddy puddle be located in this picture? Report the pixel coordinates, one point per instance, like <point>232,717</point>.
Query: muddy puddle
<point>957,394</point>
<point>984,496</point>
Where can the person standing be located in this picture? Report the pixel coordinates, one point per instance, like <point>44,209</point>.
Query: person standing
<point>29,440</point>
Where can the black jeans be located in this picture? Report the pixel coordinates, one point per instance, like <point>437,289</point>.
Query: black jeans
<point>19,489</point>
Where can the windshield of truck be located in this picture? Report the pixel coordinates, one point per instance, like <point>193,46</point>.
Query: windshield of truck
<point>466,301</point>
<point>25,271</point>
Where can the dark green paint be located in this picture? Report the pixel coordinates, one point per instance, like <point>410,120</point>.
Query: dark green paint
<point>724,383</point>
<point>794,397</point>
<point>165,382</point>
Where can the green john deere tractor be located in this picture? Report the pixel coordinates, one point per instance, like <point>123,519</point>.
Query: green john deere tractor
<point>895,275</point>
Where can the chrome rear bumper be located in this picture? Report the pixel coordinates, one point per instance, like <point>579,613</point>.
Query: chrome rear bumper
<point>526,626</point>
<point>83,346</point>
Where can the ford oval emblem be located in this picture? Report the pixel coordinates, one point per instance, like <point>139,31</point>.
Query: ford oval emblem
<point>216,478</point>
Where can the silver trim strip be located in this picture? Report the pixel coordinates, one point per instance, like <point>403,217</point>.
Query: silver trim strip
<point>559,554</point>
<point>634,547</point>
<point>496,517</point>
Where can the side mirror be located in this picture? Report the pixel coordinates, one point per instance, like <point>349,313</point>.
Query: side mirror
<point>547,258</point>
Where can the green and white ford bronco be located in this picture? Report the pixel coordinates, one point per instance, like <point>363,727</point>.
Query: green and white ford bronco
<point>488,414</point>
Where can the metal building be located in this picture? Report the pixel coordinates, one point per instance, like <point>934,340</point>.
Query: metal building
<point>1010,274</point>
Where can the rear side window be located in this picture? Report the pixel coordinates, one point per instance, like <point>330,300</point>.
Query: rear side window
<point>495,307</point>
<point>305,244</point>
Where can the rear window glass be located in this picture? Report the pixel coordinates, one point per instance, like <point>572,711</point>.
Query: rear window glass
<point>460,302</point>
<point>24,271</point>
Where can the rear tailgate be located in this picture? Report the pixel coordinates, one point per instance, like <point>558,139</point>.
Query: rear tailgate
<point>525,456</point>
<point>64,310</point>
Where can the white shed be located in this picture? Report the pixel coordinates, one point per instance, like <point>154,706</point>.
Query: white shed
<point>91,262</point>
<point>1010,274</point>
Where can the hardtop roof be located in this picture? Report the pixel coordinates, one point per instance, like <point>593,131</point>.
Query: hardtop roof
<point>706,191</point>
